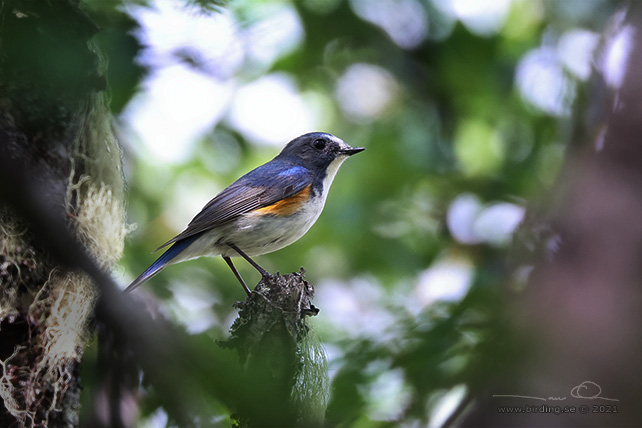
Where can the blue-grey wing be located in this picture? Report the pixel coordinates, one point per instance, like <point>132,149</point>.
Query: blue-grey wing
<point>259,188</point>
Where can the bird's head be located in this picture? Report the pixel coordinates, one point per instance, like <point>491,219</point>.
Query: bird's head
<point>318,150</point>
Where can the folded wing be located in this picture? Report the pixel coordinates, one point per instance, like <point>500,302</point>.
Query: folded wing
<point>261,187</point>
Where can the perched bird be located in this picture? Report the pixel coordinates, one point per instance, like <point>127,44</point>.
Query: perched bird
<point>265,210</point>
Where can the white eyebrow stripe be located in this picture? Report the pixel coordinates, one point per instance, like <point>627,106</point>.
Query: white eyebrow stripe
<point>335,139</point>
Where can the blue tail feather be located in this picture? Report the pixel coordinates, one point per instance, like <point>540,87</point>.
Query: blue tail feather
<point>162,261</point>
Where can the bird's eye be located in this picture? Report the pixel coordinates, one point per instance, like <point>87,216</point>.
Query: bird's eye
<point>319,144</point>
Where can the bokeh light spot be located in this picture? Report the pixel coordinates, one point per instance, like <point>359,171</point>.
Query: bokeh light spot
<point>366,91</point>
<point>270,110</point>
<point>404,21</point>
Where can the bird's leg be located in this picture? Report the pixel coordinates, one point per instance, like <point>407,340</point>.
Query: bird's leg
<point>237,274</point>
<point>262,271</point>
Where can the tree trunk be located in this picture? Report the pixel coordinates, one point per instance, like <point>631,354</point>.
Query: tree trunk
<point>56,130</point>
<point>582,310</point>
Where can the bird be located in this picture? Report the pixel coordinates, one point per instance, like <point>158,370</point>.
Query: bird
<point>265,210</point>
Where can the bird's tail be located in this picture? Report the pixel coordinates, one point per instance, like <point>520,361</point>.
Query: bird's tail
<point>162,262</point>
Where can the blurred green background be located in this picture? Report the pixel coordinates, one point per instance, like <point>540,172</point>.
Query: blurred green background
<point>464,107</point>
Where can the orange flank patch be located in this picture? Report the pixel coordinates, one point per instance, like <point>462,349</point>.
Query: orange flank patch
<point>287,206</point>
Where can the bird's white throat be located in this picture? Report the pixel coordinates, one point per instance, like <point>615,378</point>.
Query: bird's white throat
<point>330,174</point>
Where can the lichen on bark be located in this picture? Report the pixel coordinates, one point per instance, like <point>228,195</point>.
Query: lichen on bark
<point>281,356</point>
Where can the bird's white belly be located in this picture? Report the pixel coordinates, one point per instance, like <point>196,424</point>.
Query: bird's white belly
<point>255,233</point>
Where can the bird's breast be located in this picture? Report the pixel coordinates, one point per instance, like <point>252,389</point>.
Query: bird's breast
<point>278,225</point>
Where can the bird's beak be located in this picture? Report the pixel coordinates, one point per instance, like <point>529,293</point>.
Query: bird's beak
<point>349,151</point>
